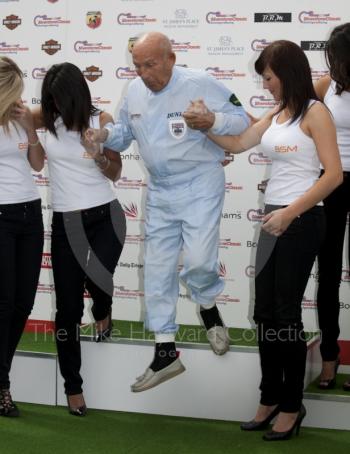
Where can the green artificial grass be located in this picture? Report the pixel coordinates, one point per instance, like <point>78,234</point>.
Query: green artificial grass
<point>127,329</point>
<point>338,389</point>
<point>42,429</point>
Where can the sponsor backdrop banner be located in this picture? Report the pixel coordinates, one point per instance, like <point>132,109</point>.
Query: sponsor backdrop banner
<point>224,39</point>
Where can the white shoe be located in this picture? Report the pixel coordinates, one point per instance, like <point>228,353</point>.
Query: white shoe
<point>218,339</point>
<point>150,379</point>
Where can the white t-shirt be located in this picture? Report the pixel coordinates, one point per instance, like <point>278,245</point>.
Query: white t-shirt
<point>16,181</point>
<point>295,163</point>
<point>76,181</point>
<point>339,105</point>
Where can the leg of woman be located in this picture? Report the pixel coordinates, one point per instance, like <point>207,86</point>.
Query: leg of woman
<point>105,230</point>
<point>69,278</point>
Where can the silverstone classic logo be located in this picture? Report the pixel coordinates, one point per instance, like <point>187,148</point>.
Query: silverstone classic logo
<point>131,19</point>
<point>125,73</point>
<point>45,21</point>
<point>86,47</point>
<point>220,18</point>
<point>259,44</point>
<point>224,74</point>
<point>310,17</point>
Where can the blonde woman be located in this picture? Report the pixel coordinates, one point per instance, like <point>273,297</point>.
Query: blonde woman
<point>21,227</point>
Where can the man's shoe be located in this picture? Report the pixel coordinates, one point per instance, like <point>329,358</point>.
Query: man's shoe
<point>218,339</point>
<point>150,378</point>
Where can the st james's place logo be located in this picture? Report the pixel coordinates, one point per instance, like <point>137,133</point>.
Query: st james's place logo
<point>180,19</point>
<point>225,46</point>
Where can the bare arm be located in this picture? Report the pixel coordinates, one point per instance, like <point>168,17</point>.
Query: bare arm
<point>319,125</point>
<point>36,154</point>
<point>321,86</point>
<point>108,161</point>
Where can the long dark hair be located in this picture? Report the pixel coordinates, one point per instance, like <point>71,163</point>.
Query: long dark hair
<point>289,63</point>
<point>338,57</point>
<point>65,94</point>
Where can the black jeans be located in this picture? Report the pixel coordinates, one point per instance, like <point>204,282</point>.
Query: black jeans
<point>330,260</point>
<point>283,266</point>
<point>86,246</point>
<point>21,245</point>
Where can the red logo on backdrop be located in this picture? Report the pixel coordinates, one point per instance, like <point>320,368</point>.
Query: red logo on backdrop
<point>93,19</point>
<point>46,260</point>
<point>92,73</point>
<point>51,46</point>
<point>12,21</point>
<point>130,210</point>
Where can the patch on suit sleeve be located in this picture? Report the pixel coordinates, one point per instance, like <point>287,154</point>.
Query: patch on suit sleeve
<point>235,101</point>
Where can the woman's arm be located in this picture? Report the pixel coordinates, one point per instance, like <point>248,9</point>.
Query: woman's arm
<point>108,161</point>
<point>319,125</point>
<point>321,86</point>
<point>36,154</point>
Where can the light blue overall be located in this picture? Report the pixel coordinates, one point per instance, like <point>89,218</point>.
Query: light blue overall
<point>186,188</point>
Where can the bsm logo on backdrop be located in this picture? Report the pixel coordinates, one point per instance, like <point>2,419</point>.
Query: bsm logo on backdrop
<point>310,17</point>
<point>130,19</point>
<point>86,47</point>
<point>44,21</point>
<point>183,47</point>
<point>259,44</point>
<point>223,74</point>
<point>125,73</point>
<point>219,18</point>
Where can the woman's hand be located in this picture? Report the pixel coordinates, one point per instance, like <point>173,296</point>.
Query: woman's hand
<point>23,115</point>
<point>276,222</point>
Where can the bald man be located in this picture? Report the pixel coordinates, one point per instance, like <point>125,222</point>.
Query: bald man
<point>185,192</point>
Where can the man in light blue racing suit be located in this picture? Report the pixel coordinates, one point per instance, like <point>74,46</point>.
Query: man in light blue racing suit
<point>185,191</point>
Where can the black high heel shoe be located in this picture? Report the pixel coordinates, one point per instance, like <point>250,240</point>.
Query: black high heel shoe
<point>260,425</point>
<point>77,411</point>
<point>105,333</point>
<point>330,382</point>
<point>272,435</point>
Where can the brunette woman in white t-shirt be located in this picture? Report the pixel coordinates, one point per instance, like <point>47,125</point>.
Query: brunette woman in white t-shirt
<point>334,90</point>
<point>297,136</point>
<point>88,223</point>
<point>21,225</point>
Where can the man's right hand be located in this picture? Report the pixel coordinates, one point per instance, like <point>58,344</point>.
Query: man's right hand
<point>96,135</point>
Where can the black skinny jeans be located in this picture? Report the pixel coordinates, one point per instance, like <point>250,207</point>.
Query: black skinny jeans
<point>330,261</point>
<point>283,266</point>
<point>21,245</point>
<point>86,246</point>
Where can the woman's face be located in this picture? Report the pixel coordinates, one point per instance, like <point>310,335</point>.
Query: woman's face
<point>272,83</point>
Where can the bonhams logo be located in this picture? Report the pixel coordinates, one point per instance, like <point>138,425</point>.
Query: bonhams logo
<point>259,44</point>
<point>86,47</point>
<point>262,102</point>
<point>272,17</point>
<point>313,45</point>
<point>224,74</point>
<point>11,22</point>
<point>130,19</point>
<point>125,73</point>
<point>51,46</point>
<point>93,19</point>
<point>221,18</point>
<point>310,17</point>
<point>92,73</point>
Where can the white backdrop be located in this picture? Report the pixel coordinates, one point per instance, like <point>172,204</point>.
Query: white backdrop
<point>222,37</point>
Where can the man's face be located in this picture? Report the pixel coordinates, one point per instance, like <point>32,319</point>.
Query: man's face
<point>154,66</point>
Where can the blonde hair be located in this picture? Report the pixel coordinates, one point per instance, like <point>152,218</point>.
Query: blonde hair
<point>11,87</point>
